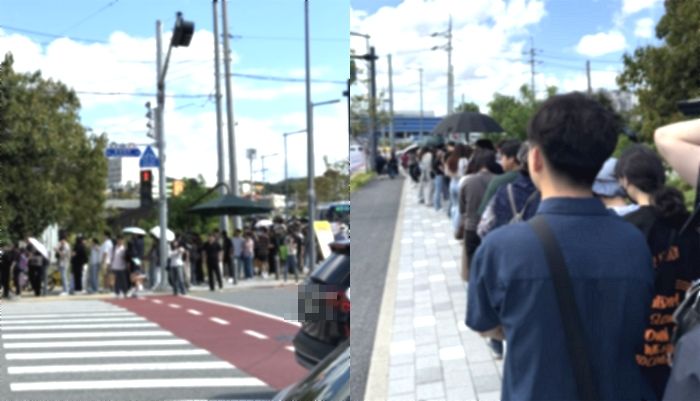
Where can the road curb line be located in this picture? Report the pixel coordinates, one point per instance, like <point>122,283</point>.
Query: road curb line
<point>378,375</point>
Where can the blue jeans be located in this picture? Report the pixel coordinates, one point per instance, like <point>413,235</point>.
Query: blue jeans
<point>178,280</point>
<point>291,267</point>
<point>63,269</point>
<point>248,266</point>
<point>93,280</point>
<point>437,194</point>
<point>454,203</point>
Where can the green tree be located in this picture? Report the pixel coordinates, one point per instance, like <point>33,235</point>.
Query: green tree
<point>179,219</point>
<point>467,106</point>
<point>514,113</point>
<point>52,170</point>
<point>660,76</point>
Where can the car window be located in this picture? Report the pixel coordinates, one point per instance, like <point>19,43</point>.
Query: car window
<point>334,270</point>
<point>329,381</point>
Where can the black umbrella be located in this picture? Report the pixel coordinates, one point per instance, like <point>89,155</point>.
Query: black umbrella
<point>229,205</point>
<point>466,122</point>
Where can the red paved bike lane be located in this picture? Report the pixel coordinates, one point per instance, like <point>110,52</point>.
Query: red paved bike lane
<point>264,351</point>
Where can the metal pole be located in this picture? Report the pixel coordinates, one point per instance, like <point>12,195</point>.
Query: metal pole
<point>391,108</point>
<point>309,143</point>
<point>232,166</point>
<point>162,200</point>
<point>588,76</point>
<point>219,132</point>
<point>450,75</point>
<point>420,71</point>
<point>286,180</point>
<point>373,106</point>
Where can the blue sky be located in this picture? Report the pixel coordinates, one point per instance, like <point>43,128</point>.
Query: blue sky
<point>119,57</point>
<point>490,37</point>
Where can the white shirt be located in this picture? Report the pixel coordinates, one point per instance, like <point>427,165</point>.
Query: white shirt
<point>176,256</point>
<point>64,253</point>
<point>118,261</point>
<point>106,251</point>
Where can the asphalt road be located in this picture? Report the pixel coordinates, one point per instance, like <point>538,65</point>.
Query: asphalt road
<point>185,348</point>
<point>373,220</point>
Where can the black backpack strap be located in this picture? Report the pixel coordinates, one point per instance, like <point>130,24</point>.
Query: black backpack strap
<point>570,317</point>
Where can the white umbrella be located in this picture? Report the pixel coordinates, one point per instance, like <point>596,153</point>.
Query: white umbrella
<point>39,247</point>
<point>134,230</point>
<point>264,223</point>
<point>169,235</point>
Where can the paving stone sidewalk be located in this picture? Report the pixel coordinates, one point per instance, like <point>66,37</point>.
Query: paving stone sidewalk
<point>433,355</point>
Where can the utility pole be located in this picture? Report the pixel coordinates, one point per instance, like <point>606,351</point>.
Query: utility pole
<point>162,200</point>
<point>373,105</point>
<point>532,54</point>
<point>219,132</point>
<point>391,108</point>
<point>450,76</point>
<point>251,153</point>
<point>311,251</point>
<point>232,164</point>
<point>420,72</point>
<point>588,76</point>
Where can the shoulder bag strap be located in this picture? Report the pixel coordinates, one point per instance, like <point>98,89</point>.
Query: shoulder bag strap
<point>571,320</point>
<point>511,200</point>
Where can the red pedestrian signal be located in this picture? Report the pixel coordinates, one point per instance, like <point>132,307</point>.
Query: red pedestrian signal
<point>146,189</point>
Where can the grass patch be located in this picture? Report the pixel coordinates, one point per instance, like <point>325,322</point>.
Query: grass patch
<point>358,180</point>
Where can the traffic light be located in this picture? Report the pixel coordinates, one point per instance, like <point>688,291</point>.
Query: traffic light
<point>146,188</point>
<point>182,34</point>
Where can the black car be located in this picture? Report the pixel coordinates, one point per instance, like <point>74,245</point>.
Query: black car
<point>324,305</point>
<point>328,381</point>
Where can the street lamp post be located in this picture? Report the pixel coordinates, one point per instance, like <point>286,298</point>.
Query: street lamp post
<point>182,36</point>
<point>286,176</point>
<point>263,169</point>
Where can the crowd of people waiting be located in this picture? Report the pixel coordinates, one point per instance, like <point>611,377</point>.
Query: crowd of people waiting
<point>623,234</point>
<point>121,264</point>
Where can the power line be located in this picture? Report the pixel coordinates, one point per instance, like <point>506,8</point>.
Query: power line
<point>108,5</point>
<point>142,94</point>
<point>51,35</point>
<point>285,38</point>
<point>285,79</point>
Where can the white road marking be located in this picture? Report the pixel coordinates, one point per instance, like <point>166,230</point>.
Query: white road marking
<point>80,326</point>
<point>120,367</point>
<point>106,319</point>
<point>289,348</point>
<point>86,344</point>
<point>59,315</point>
<point>27,356</point>
<point>157,301</point>
<point>253,311</point>
<point>140,383</point>
<point>86,334</point>
<point>255,334</point>
<point>194,312</point>
<point>175,306</point>
<point>217,320</point>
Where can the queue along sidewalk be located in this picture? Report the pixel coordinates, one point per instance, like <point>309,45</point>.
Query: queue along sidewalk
<point>423,349</point>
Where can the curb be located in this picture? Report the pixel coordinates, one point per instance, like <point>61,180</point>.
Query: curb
<point>378,375</point>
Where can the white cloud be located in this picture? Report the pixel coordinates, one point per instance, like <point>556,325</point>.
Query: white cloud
<point>126,64</point>
<point>488,39</point>
<point>644,28</point>
<point>601,43</point>
<point>633,6</point>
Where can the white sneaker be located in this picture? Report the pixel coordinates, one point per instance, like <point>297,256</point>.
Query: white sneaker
<point>264,275</point>
<point>63,294</point>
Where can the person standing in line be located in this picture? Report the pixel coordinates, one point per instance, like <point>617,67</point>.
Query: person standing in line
<point>393,165</point>
<point>237,246</point>
<point>94,267</point>
<point>438,175</point>
<point>425,158</point>
<point>511,164</point>
<point>106,255</point>
<point>119,269</point>
<point>247,254</point>
<point>676,255</point>
<point>290,242</point>
<point>228,256</point>
<point>512,294</point>
<point>37,269</point>
<point>213,253</point>
<point>8,262</point>
<point>78,261</point>
<point>610,192</point>
<point>154,271</point>
<point>63,254</point>
<point>470,195</point>
<point>262,251</point>
<point>456,168</point>
<point>176,256</point>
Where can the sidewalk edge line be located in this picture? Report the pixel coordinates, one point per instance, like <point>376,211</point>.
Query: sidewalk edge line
<point>377,387</point>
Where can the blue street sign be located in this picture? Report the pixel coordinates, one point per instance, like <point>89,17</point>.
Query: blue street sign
<point>122,152</point>
<point>149,159</point>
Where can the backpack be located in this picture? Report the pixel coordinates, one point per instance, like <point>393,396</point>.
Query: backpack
<point>687,315</point>
<point>518,216</point>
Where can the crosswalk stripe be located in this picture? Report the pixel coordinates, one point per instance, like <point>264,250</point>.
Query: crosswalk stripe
<point>255,334</point>
<point>86,334</point>
<point>79,326</point>
<point>120,367</point>
<point>194,312</point>
<point>86,344</point>
<point>218,320</point>
<point>133,384</point>
<point>175,306</point>
<point>62,315</point>
<point>32,356</point>
<point>81,320</point>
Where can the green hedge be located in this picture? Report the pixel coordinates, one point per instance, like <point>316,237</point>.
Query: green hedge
<point>358,180</point>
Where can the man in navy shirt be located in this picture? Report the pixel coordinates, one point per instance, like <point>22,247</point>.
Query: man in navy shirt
<point>511,294</point>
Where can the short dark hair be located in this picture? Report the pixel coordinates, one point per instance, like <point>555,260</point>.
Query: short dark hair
<point>576,134</point>
<point>485,144</point>
<point>483,158</point>
<point>642,167</point>
<point>510,149</point>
